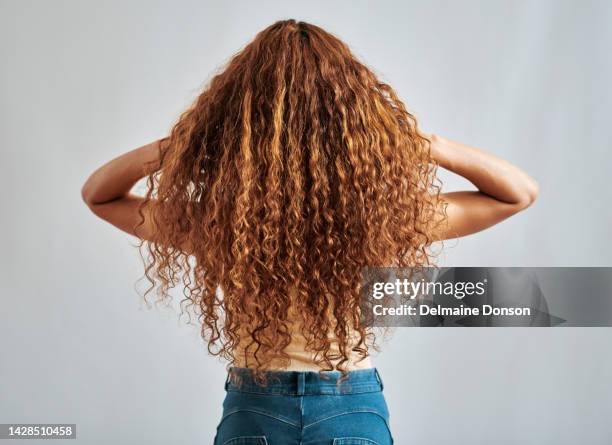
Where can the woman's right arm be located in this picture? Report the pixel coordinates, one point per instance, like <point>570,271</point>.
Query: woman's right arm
<point>503,188</point>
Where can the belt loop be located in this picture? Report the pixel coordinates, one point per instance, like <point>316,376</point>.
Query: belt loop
<point>301,383</point>
<point>227,380</point>
<point>382,385</point>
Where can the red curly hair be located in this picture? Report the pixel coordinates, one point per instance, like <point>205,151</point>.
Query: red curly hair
<point>295,168</point>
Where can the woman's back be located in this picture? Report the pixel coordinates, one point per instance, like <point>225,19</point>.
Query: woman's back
<point>298,356</point>
<point>294,170</point>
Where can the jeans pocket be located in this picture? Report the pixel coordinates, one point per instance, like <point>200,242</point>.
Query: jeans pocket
<point>353,441</point>
<point>247,440</point>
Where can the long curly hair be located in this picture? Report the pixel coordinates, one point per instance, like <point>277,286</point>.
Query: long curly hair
<point>294,169</point>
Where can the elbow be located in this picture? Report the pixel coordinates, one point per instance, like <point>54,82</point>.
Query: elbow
<point>528,194</point>
<point>86,195</point>
<point>91,203</point>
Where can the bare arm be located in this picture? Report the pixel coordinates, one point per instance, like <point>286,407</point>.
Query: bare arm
<point>503,189</point>
<point>107,191</point>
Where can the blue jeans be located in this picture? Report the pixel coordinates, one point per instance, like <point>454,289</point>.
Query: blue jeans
<point>302,408</point>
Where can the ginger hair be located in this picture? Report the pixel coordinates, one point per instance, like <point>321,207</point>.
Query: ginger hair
<point>294,169</point>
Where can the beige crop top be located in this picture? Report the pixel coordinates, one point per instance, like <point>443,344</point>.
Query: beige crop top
<point>300,358</point>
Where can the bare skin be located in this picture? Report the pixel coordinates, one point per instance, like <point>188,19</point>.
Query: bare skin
<point>502,189</point>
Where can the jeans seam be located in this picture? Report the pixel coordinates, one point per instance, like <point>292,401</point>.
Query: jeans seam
<point>262,413</point>
<point>355,389</point>
<point>246,437</point>
<point>344,413</point>
<point>301,418</point>
<point>364,439</point>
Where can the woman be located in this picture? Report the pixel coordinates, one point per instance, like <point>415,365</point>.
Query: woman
<point>294,169</point>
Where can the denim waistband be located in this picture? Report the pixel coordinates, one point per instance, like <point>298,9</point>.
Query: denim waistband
<point>300,383</point>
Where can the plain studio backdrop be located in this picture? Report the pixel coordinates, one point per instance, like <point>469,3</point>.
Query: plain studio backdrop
<point>83,81</point>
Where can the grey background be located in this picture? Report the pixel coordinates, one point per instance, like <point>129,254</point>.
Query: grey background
<point>83,81</point>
